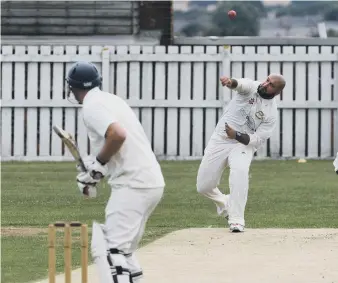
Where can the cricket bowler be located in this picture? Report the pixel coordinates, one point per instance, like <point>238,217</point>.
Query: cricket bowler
<point>248,121</point>
<point>121,152</point>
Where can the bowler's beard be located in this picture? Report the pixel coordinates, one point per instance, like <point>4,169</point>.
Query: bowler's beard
<point>262,93</point>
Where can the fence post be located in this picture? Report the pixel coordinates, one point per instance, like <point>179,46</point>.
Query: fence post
<point>105,69</point>
<point>226,72</point>
<point>335,98</point>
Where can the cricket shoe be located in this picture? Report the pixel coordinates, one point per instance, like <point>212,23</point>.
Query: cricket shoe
<point>236,228</point>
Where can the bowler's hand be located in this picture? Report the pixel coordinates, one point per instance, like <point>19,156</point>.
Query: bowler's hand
<point>230,131</point>
<point>226,81</point>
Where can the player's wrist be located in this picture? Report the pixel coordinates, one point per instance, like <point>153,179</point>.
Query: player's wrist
<point>101,161</point>
<point>242,138</point>
<point>233,83</point>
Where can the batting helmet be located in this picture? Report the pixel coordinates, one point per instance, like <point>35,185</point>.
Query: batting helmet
<point>83,75</point>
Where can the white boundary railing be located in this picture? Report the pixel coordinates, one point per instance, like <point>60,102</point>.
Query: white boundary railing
<point>175,92</point>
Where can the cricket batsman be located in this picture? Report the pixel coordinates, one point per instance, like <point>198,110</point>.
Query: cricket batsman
<point>248,121</point>
<point>335,164</point>
<point>121,152</point>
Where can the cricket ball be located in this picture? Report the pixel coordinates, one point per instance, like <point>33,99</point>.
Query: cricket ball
<point>232,14</point>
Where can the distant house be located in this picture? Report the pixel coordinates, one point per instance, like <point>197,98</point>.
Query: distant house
<point>292,26</point>
<point>125,22</point>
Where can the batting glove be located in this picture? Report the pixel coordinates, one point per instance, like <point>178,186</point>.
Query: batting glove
<point>86,184</point>
<point>95,169</point>
<point>87,181</point>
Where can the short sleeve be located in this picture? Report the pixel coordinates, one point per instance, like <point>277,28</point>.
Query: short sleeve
<point>245,86</point>
<point>98,118</point>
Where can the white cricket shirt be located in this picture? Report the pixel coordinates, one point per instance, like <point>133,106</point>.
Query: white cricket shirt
<point>134,165</point>
<point>249,113</point>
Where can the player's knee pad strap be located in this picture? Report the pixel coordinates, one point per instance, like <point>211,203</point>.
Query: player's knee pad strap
<point>136,275</point>
<point>117,263</point>
<point>116,251</point>
<point>136,272</point>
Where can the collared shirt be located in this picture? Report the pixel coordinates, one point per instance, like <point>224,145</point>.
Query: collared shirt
<point>249,113</point>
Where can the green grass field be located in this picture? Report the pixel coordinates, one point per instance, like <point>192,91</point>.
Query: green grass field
<point>282,194</point>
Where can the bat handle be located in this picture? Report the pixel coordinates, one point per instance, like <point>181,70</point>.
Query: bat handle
<point>83,167</point>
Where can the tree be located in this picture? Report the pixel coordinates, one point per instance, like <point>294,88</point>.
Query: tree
<point>258,6</point>
<point>246,22</point>
<point>332,15</point>
<point>332,33</point>
<point>193,29</point>
<point>305,8</point>
<point>202,3</point>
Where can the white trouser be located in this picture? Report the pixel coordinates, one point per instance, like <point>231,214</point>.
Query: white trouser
<point>127,212</point>
<point>335,164</point>
<point>218,154</point>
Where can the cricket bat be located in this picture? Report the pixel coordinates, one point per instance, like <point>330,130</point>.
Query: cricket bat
<point>70,143</point>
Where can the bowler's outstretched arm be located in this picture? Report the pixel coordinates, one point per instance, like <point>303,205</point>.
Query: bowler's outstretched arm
<point>243,86</point>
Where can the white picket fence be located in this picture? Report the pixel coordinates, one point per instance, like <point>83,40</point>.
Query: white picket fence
<point>175,92</point>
